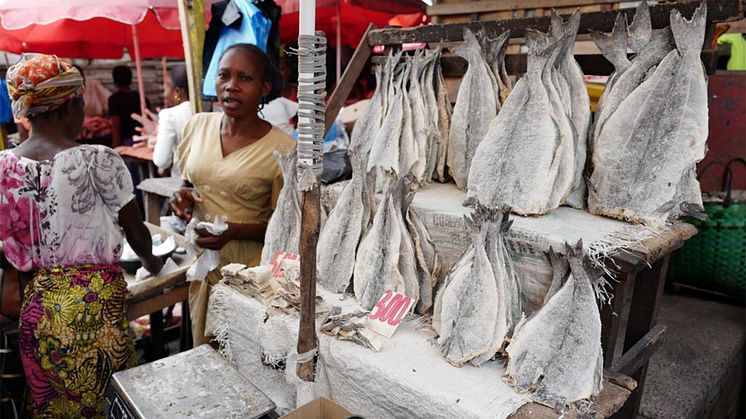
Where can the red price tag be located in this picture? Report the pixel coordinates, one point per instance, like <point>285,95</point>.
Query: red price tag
<point>278,259</point>
<point>388,313</point>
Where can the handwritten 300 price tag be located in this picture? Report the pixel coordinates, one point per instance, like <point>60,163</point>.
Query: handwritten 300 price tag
<point>388,313</point>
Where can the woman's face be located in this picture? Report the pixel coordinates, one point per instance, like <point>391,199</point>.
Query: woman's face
<point>240,84</point>
<point>172,95</point>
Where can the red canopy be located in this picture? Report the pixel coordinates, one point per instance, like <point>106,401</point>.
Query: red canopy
<point>355,17</point>
<point>91,28</point>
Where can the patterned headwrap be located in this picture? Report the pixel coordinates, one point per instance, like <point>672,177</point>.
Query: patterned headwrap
<point>40,83</point>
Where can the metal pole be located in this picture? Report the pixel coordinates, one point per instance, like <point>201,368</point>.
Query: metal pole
<point>138,65</point>
<point>339,41</point>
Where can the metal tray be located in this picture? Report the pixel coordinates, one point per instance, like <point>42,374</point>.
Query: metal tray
<point>198,383</point>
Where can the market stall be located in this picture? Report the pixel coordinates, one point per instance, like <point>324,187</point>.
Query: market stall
<point>409,376</point>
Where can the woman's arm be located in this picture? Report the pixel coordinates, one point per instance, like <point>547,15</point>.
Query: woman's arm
<point>138,237</point>
<point>236,231</point>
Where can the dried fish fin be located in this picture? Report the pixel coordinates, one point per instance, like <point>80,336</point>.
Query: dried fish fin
<point>641,28</point>
<point>614,46</point>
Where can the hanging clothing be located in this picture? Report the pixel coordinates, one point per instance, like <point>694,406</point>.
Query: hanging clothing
<point>96,98</point>
<point>6,110</point>
<point>252,28</point>
<point>243,186</point>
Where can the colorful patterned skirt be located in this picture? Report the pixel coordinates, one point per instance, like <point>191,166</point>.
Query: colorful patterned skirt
<point>73,336</point>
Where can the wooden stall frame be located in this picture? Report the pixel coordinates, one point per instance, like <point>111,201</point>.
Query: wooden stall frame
<point>630,334</point>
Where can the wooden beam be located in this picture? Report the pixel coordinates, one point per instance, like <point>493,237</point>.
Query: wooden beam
<point>639,354</point>
<point>158,302</point>
<point>614,319</point>
<point>717,11</point>
<point>309,236</point>
<point>348,80</point>
<point>505,5</point>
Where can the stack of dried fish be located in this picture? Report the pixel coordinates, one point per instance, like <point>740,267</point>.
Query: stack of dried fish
<point>405,127</point>
<point>397,253</point>
<point>652,128</point>
<point>347,222</point>
<point>476,103</point>
<point>480,302</point>
<point>536,144</point>
<point>283,230</point>
<point>556,354</point>
<point>369,123</point>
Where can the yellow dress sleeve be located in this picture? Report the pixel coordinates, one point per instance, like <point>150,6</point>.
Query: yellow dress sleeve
<point>185,147</point>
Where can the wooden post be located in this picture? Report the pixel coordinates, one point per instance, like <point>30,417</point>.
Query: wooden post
<point>193,36</point>
<point>309,236</point>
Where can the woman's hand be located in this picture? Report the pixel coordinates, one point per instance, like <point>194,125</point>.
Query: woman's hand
<point>182,203</point>
<point>208,241</point>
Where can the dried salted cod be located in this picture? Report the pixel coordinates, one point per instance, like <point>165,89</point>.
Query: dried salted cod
<point>427,86</point>
<point>475,107</point>
<point>445,110</point>
<point>385,150</point>
<point>494,55</point>
<point>520,145</point>
<point>645,156</point>
<point>474,309</point>
<point>508,285</point>
<point>368,124</point>
<point>556,354</point>
<point>563,163</point>
<point>339,239</point>
<point>428,262</point>
<point>613,46</point>
<point>420,121</point>
<point>469,305</point>
<point>631,78</point>
<point>641,28</point>
<point>377,264</point>
<point>407,254</point>
<point>283,229</point>
<point>580,107</point>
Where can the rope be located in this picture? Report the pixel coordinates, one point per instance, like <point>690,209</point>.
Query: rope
<point>307,356</point>
<point>311,53</point>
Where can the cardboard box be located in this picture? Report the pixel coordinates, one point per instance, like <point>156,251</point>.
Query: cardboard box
<point>320,408</point>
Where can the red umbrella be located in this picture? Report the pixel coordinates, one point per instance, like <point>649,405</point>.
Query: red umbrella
<point>93,29</point>
<point>355,15</point>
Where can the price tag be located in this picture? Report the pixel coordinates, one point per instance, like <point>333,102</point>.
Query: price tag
<point>278,259</point>
<point>388,313</point>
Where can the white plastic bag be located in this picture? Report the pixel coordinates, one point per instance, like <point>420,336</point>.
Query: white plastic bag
<point>207,260</point>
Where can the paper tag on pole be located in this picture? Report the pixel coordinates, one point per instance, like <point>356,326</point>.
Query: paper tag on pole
<point>388,313</point>
<point>277,261</point>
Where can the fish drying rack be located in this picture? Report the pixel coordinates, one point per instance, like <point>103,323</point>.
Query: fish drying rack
<point>631,333</point>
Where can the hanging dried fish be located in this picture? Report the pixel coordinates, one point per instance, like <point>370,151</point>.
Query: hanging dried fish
<point>283,229</point>
<point>646,152</point>
<point>476,105</point>
<point>339,239</point>
<point>556,354</point>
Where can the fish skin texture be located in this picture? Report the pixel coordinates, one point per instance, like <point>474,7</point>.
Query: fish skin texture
<point>556,353</point>
<point>647,150</point>
<point>283,229</point>
<point>444,125</point>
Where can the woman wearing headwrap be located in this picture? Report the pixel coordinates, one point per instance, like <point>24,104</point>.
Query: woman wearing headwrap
<point>63,208</point>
